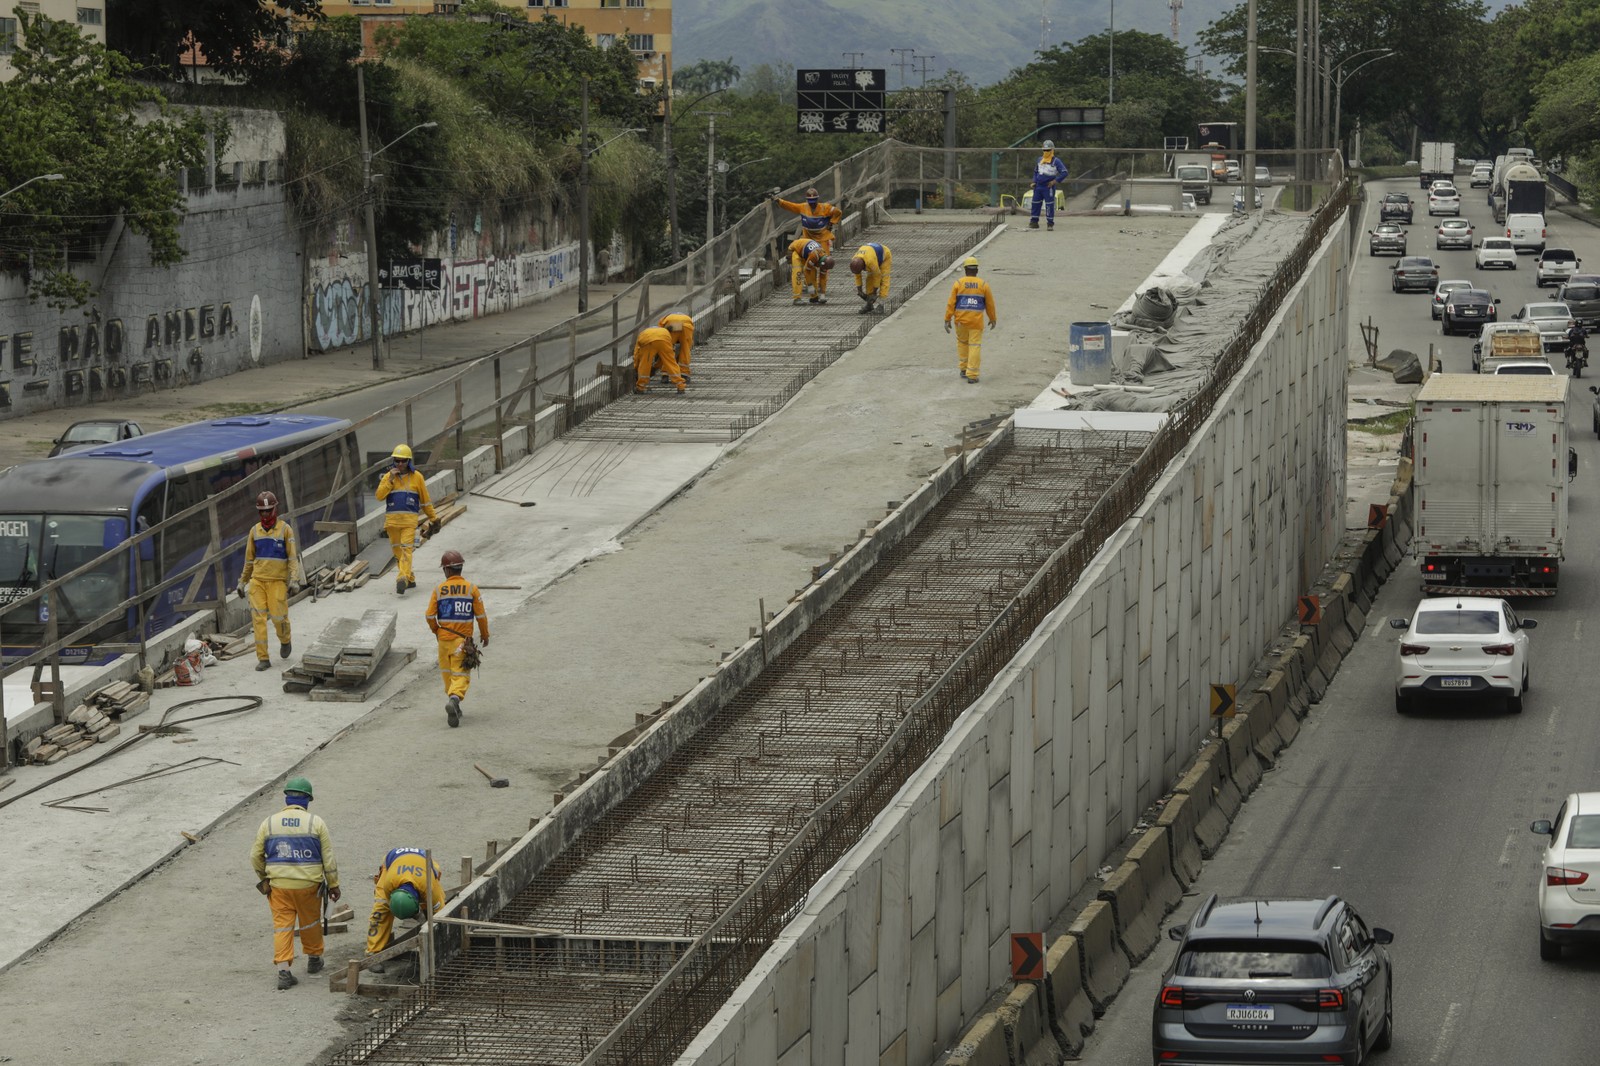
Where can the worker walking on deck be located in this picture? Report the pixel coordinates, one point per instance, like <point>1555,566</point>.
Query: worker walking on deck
<point>271,575</point>
<point>681,326</point>
<point>809,263</point>
<point>452,609</point>
<point>871,268</point>
<point>970,300</point>
<point>404,493</point>
<point>403,882</point>
<point>295,868</point>
<point>655,344</point>
<point>1048,172</point>
<point>817,219</point>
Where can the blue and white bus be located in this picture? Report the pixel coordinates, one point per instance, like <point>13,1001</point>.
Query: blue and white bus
<point>59,514</point>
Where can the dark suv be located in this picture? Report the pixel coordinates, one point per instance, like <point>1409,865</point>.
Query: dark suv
<point>1396,207</point>
<point>1281,980</point>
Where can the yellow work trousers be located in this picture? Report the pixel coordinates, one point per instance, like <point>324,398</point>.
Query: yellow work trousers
<point>683,347</point>
<point>644,364</point>
<point>801,275</point>
<point>295,910</point>
<point>402,530</point>
<point>452,649</point>
<point>269,601</point>
<point>380,927</point>
<point>969,348</point>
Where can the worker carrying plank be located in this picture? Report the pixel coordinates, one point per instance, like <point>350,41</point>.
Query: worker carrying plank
<point>452,609</point>
<point>402,883</point>
<point>294,865</point>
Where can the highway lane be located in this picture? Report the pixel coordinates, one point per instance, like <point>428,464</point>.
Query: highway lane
<point>1422,821</point>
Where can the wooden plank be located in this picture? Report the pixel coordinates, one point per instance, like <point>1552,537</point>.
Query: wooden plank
<point>391,665</point>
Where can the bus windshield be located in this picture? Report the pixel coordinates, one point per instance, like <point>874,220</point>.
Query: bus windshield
<point>38,548</point>
<point>19,554</point>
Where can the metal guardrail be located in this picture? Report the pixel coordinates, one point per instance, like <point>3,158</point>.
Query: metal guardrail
<point>658,1028</point>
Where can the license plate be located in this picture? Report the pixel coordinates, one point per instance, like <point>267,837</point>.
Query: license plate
<point>1250,1014</point>
<point>1455,682</point>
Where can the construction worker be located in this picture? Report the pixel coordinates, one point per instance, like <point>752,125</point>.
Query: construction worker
<point>681,326</point>
<point>871,268</point>
<point>452,609</point>
<point>293,860</point>
<point>809,263</point>
<point>655,343</point>
<point>816,219</point>
<point>404,492</point>
<point>402,882</point>
<point>271,575</point>
<point>970,299</point>
<point>1048,172</point>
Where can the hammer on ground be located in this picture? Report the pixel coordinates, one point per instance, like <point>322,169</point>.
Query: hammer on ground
<point>494,782</point>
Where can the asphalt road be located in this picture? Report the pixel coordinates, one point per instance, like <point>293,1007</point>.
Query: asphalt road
<point>1422,821</point>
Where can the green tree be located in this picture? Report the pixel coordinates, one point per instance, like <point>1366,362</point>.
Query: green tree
<point>72,109</point>
<point>234,35</point>
<point>708,75</point>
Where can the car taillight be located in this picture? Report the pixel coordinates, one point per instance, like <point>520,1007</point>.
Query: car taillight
<point>1499,649</point>
<point>1415,649</point>
<point>1330,999</point>
<point>1172,996</point>
<point>1556,875</point>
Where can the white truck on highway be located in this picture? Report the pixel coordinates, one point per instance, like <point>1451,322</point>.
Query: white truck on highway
<point>1491,475</point>
<point>1438,162</point>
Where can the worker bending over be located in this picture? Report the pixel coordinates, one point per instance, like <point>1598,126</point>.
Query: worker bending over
<point>271,575</point>
<point>817,219</point>
<point>871,268</point>
<point>655,344</point>
<point>452,609</point>
<point>970,299</point>
<point>681,326</point>
<point>809,263</point>
<point>404,493</point>
<point>403,881</point>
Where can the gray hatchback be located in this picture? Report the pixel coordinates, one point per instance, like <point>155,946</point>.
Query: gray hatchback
<point>1581,294</point>
<point>1275,981</point>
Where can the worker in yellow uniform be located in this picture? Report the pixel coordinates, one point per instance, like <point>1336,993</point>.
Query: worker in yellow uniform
<point>871,268</point>
<point>403,881</point>
<point>970,299</point>
<point>817,219</point>
<point>404,492</point>
<point>452,609</point>
<point>295,868</point>
<point>681,326</point>
<point>271,575</point>
<point>655,344</point>
<point>809,263</point>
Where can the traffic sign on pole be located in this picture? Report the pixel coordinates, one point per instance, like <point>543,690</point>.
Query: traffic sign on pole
<point>1222,701</point>
<point>840,100</point>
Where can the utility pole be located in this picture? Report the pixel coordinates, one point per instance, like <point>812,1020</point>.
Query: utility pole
<point>903,62</point>
<point>853,58</point>
<point>583,204</point>
<point>923,68</point>
<point>1249,167</point>
<point>672,167</point>
<point>711,174</point>
<point>1111,57</point>
<point>374,327</point>
<point>1299,95</point>
<point>949,149</point>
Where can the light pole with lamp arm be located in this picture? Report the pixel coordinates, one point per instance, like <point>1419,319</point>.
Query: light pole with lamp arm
<point>374,326</point>
<point>672,167</point>
<point>583,198</point>
<point>1338,89</point>
<point>30,181</point>
<point>725,170</point>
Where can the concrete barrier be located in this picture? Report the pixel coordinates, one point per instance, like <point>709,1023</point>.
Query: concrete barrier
<point>1178,818</point>
<point>1026,1021</point>
<point>984,1044</point>
<point>1244,768</point>
<point>1071,1012</point>
<point>1142,891</point>
<point>1105,967</point>
<point>1203,784</point>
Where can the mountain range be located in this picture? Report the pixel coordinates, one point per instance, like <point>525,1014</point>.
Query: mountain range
<point>983,39</point>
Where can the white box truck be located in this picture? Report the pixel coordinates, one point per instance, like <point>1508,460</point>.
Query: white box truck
<point>1491,474</point>
<point>1438,162</point>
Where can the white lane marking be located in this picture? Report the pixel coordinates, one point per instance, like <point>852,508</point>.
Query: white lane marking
<point>1550,722</point>
<point>1577,630</point>
<point>1447,1032</point>
<point>1505,852</point>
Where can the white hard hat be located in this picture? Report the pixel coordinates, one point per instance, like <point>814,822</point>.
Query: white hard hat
<point>1049,144</point>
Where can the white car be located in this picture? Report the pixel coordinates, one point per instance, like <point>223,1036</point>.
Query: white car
<point>1263,176</point>
<point>1442,291</point>
<point>1497,252</point>
<point>1462,646</point>
<point>1481,175</point>
<point>1189,203</point>
<point>1569,875</point>
<point>1443,199</point>
<point>1555,265</point>
<point>1536,367</point>
<point>1238,200</point>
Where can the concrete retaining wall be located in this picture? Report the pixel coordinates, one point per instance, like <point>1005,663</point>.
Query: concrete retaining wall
<point>1047,774</point>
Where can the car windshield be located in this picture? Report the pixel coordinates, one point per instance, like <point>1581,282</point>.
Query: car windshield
<point>1524,368</point>
<point>1253,958</point>
<point>1564,254</point>
<point>1453,223</point>
<point>90,431</point>
<point>1496,242</point>
<point>1581,292</point>
<point>1415,263</point>
<point>1451,623</point>
<point>1585,831</point>
<point>1448,287</point>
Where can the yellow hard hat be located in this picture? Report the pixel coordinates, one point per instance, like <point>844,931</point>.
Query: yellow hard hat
<point>970,261</point>
<point>401,451</point>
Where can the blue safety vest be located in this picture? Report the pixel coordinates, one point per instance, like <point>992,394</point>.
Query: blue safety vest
<point>300,850</point>
<point>271,547</point>
<point>394,853</point>
<point>970,301</point>
<point>400,501</point>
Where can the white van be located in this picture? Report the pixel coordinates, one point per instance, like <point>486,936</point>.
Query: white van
<point>1526,232</point>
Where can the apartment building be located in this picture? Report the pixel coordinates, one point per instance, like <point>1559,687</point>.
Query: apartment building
<point>90,16</point>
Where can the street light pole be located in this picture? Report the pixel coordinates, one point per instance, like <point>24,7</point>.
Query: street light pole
<point>30,181</point>
<point>374,328</point>
<point>1111,57</point>
<point>1338,90</point>
<point>1299,96</point>
<point>583,203</point>
<point>1250,107</point>
<point>711,184</point>
<point>672,164</point>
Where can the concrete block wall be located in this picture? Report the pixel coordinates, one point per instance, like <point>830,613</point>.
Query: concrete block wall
<point>902,943</point>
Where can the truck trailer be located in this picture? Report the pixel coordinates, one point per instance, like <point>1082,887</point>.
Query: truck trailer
<point>1438,162</point>
<point>1491,475</point>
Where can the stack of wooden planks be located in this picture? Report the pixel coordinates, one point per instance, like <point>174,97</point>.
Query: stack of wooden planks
<point>119,701</point>
<point>347,652</point>
<point>326,579</point>
<point>87,724</point>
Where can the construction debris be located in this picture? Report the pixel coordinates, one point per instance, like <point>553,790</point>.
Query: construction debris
<point>347,655</point>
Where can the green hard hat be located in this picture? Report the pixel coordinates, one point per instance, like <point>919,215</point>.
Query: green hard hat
<point>403,903</point>
<point>300,785</point>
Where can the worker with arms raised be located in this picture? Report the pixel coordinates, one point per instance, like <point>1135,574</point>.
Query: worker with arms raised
<point>817,219</point>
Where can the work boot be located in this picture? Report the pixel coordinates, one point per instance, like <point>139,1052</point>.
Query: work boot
<point>400,586</point>
<point>866,308</point>
<point>973,380</point>
<point>816,300</point>
<point>641,388</point>
<point>1033,223</point>
<point>264,664</point>
<point>285,649</point>
<point>286,980</point>
<point>313,964</point>
<point>1050,226</point>
<point>411,582</point>
<point>797,301</point>
<point>452,711</point>
<point>823,298</point>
